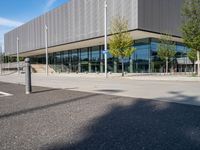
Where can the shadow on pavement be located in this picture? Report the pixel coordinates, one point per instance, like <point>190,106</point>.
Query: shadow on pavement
<point>142,125</point>
<point>180,97</point>
<point>8,73</point>
<point>110,91</point>
<point>44,91</point>
<point>31,110</point>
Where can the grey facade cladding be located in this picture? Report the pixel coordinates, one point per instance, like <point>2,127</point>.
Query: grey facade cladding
<point>162,16</point>
<point>84,19</point>
<point>74,21</point>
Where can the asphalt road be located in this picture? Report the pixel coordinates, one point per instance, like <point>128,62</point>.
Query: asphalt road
<point>51,119</point>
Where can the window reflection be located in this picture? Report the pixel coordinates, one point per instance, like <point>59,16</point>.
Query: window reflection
<point>95,59</point>
<point>84,60</point>
<point>91,59</point>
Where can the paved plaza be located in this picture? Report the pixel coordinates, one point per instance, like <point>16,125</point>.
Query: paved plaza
<point>52,118</point>
<point>179,89</point>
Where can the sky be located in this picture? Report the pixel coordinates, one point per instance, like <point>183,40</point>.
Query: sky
<point>14,13</point>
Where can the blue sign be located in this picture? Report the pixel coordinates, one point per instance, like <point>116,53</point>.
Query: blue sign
<point>105,51</point>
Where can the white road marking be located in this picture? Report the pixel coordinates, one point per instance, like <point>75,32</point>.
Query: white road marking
<point>3,94</point>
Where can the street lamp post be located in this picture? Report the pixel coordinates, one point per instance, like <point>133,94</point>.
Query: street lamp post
<point>105,36</point>
<point>46,48</point>
<point>1,59</point>
<point>18,55</point>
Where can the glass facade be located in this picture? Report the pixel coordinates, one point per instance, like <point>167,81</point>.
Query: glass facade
<point>95,59</point>
<point>141,57</point>
<point>143,60</point>
<point>84,60</point>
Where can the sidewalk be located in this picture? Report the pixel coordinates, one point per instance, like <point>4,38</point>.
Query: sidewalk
<point>165,78</point>
<point>161,88</point>
<point>133,76</point>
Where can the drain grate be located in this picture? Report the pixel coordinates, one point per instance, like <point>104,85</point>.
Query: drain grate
<point>4,94</point>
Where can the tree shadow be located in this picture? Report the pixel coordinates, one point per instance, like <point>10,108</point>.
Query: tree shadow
<point>180,97</point>
<point>8,73</point>
<point>142,125</point>
<point>31,110</point>
<point>109,90</point>
<point>43,91</point>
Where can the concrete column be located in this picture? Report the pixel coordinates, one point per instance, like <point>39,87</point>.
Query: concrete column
<point>101,67</point>
<point>90,67</point>
<point>131,66</point>
<point>79,67</point>
<point>115,65</point>
<point>89,64</point>
<point>70,67</point>
<point>101,63</point>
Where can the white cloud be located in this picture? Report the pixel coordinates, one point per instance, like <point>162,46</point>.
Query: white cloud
<point>49,4</point>
<point>3,30</point>
<point>9,23</point>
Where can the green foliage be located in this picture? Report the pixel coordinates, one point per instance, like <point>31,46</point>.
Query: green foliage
<point>121,42</point>
<point>11,59</point>
<point>166,48</point>
<point>191,24</point>
<point>21,58</point>
<point>192,54</point>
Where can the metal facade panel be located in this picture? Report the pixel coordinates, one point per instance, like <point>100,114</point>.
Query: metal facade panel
<point>162,16</point>
<point>74,21</point>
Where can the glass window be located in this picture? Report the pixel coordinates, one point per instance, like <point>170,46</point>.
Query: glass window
<point>181,51</point>
<point>95,54</point>
<point>74,56</point>
<point>57,58</point>
<point>141,57</point>
<point>92,59</point>
<point>65,63</point>
<point>66,58</point>
<point>74,60</point>
<point>84,57</point>
<point>41,59</point>
<point>95,59</point>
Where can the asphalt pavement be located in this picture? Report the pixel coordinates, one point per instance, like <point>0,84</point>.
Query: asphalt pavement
<point>55,119</point>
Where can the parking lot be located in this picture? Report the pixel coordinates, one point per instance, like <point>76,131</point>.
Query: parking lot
<point>64,119</point>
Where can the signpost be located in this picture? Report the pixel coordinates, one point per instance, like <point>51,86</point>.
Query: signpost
<point>46,48</point>
<point>18,55</point>
<point>1,58</point>
<point>105,52</point>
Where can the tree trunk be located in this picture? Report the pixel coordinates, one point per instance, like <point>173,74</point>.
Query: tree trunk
<point>166,65</point>
<point>172,67</point>
<point>198,59</point>
<point>122,67</point>
<point>194,67</point>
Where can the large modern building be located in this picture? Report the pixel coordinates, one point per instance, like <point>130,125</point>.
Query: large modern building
<point>76,35</point>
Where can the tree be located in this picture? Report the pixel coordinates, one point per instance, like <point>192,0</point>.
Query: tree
<point>192,55</point>
<point>191,26</point>
<point>166,49</point>
<point>121,42</point>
